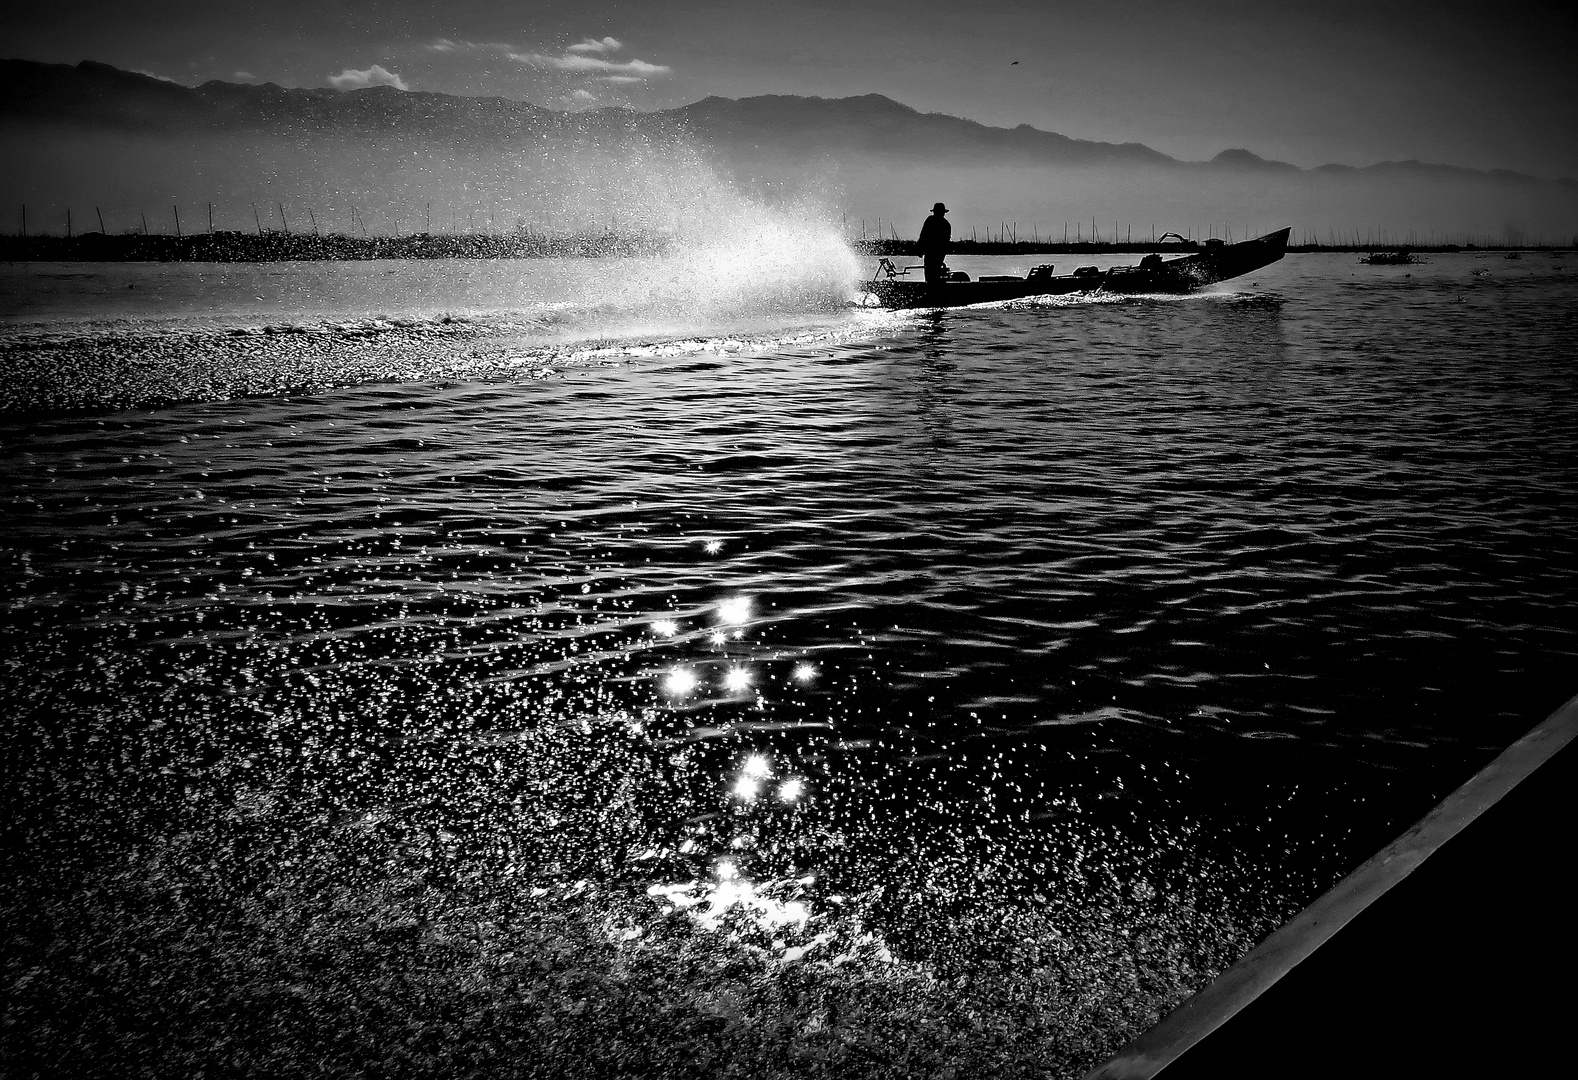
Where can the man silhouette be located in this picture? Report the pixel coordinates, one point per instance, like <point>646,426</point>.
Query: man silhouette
<point>934,236</point>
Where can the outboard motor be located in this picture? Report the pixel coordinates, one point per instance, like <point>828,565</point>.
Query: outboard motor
<point>1039,273</point>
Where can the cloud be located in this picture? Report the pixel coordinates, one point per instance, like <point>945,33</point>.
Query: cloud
<point>447,45</point>
<point>577,100</point>
<point>377,75</point>
<point>152,74</point>
<point>620,78</point>
<point>592,45</point>
<point>243,75</point>
<point>579,64</point>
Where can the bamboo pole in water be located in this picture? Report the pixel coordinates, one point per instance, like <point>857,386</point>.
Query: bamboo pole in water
<point>102,229</point>
<point>177,210</point>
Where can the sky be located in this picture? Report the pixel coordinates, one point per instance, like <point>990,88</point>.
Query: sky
<point>1484,85</point>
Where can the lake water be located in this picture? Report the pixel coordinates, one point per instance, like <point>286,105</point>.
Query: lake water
<point>1080,641</point>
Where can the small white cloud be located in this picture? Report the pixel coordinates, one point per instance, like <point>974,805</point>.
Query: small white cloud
<point>449,45</point>
<point>243,75</point>
<point>579,99</point>
<point>377,75</point>
<point>591,65</point>
<point>592,45</point>
<point>153,75</point>
<point>621,80</point>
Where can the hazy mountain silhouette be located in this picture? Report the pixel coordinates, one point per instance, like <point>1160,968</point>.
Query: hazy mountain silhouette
<point>100,96</point>
<point>876,125</point>
<point>92,94</point>
<point>124,143</point>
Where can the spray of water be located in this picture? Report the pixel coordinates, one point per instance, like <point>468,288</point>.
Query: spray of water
<point>636,177</point>
<point>714,266</point>
<point>722,254</point>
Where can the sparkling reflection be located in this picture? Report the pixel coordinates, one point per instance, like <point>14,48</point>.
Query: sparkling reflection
<point>680,680</point>
<point>404,696</point>
<point>735,610</point>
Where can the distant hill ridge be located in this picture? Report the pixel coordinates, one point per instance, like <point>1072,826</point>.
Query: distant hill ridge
<point>775,125</point>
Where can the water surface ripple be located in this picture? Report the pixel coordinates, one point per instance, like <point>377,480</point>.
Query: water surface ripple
<point>1154,614</point>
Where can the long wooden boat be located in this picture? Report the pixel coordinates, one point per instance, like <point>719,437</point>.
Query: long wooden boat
<point>1216,261</point>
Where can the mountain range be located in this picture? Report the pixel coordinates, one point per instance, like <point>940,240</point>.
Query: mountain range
<point>94,135</point>
<point>96,95</point>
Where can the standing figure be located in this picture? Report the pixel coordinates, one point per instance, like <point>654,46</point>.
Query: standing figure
<point>934,236</point>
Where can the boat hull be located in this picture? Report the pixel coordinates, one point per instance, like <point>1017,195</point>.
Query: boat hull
<point>1170,276</point>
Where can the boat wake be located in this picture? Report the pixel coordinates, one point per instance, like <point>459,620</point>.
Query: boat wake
<point>733,275</point>
<point>96,366</point>
<point>1100,298</point>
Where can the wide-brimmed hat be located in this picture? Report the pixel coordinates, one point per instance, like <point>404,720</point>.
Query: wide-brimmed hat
<point>939,209</point>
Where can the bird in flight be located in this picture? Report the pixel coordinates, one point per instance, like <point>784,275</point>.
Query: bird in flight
<point>1014,63</point>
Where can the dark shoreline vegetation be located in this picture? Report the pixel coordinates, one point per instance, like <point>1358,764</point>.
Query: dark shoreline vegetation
<point>296,247</point>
